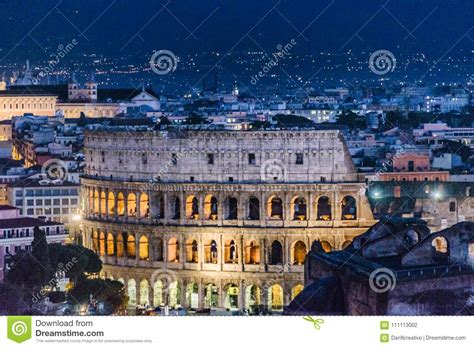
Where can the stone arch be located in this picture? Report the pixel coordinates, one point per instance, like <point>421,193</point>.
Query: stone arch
<point>103,200</point>
<point>275,207</point>
<point>143,248</point>
<point>275,299</point>
<point>231,208</point>
<point>132,204</point>
<point>211,295</point>
<point>230,252</point>
<point>298,253</point>
<point>210,251</point>
<point>110,244</point>
<point>192,251</point>
<point>144,292</point>
<point>348,208</point>
<point>299,208</point>
<point>192,207</point>
<point>191,295</point>
<point>120,245</point>
<point>276,253</point>
<point>95,241</point>
<point>440,245</point>
<point>158,293</point>
<point>252,252</point>
<point>96,201</point>
<point>132,292</point>
<point>173,250</point>
<point>102,244</point>
<point>120,204</point>
<point>174,294</point>
<point>157,246</point>
<point>253,296</point>
<point>176,209</point>
<point>253,208</point>
<point>210,207</point>
<point>111,203</point>
<point>295,290</point>
<point>411,238</point>
<point>345,244</point>
<point>131,246</point>
<point>327,247</point>
<point>144,205</point>
<point>324,209</point>
<point>231,299</point>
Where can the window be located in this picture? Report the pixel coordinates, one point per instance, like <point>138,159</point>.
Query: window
<point>56,201</point>
<point>65,201</point>
<point>299,158</point>
<point>252,160</point>
<point>174,159</point>
<point>30,202</point>
<point>452,206</point>
<point>191,178</point>
<point>323,179</point>
<point>39,202</point>
<point>210,158</point>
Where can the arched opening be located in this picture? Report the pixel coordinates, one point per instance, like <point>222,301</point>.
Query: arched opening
<point>254,208</point>
<point>174,293</point>
<point>120,246</point>
<point>252,253</point>
<point>275,207</point>
<point>110,244</point>
<point>440,249</point>
<point>192,251</point>
<point>276,256</point>
<point>345,244</point>
<point>298,253</point>
<point>143,248</point>
<point>192,295</point>
<point>327,247</point>
<point>120,204</point>
<point>252,298</point>
<point>103,209</point>
<point>111,203</point>
<point>102,244</point>
<point>161,207</point>
<point>231,208</point>
<point>192,208</point>
<point>132,292</point>
<point>411,238</point>
<point>324,209</point>
<point>230,252</point>
<point>158,293</point>
<point>173,250</point>
<point>210,207</point>
<point>95,242</point>
<point>275,298</point>
<point>231,300</point>
<point>211,296</point>
<point>132,204</point>
<point>298,207</point>
<point>131,247</point>
<point>144,206</point>
<point>176,212</point>
<point>96,202</point>
<point>157,249</point>
<point>91,200</point>
<point>144,293</point>
<point>296,290</point>
<point>210,252</point>
<point>348,208</point>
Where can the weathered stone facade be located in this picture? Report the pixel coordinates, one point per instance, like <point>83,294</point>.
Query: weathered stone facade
<point>217,218</point>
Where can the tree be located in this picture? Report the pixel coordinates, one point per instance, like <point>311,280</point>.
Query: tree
<point>352,120</point>
<point>109,291</point>
<point>283,120</point>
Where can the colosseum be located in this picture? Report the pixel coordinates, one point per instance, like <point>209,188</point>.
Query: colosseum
<point>215,218</point>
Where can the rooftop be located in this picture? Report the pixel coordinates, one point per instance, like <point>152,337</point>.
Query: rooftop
<point>25,222</point>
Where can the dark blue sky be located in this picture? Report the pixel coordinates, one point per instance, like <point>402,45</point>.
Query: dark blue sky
<point>111,27</point>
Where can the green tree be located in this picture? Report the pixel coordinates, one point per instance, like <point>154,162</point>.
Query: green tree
<point>110,291</point>
<point>194,118</point>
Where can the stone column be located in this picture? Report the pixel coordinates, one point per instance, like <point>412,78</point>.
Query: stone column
<point>106,213</point>
<point>137,203</point>
<point>241,295</point>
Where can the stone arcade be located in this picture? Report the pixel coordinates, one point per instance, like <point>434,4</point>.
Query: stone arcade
<point>214,218</point>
